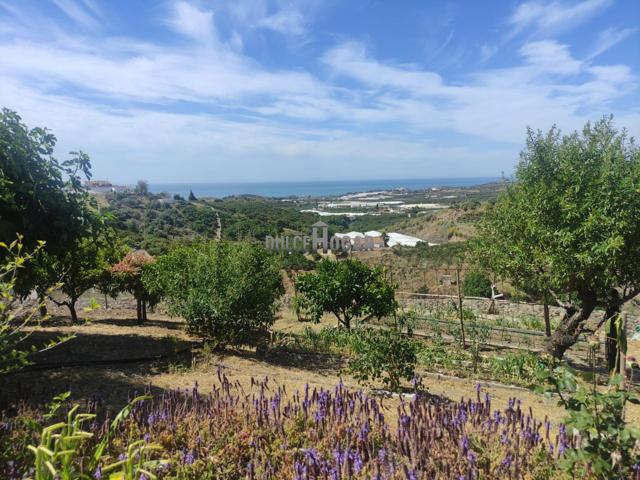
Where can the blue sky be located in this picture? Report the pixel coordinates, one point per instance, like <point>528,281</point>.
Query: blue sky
<point>263,90</point>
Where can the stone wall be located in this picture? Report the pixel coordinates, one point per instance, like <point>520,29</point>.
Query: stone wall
<point>504,308</point>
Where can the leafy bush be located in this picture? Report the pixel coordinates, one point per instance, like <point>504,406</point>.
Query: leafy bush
<point>348,289</point>
<point>521,368</point>
<point>601,443</point>
<point>476,284</point>
<point>385,354</point>
<point>223,290</point>
<point>295,261</point>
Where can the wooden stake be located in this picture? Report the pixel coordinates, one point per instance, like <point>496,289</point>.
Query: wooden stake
<point>464,343</point>
<point>622,354</point>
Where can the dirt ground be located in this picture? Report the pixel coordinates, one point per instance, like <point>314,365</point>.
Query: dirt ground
<point>159,356</point>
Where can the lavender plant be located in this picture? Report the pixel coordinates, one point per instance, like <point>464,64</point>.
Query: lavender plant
<point>267,433</point>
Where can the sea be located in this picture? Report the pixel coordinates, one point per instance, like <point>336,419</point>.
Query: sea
<point>310,189</point>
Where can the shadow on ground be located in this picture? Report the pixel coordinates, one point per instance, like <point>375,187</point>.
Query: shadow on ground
<point>111,367</point>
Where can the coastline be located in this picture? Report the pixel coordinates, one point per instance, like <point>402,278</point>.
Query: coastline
<point>315,189</point>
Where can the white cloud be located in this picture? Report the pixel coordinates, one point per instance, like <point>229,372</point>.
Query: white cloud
<point>351,59</point>
<point>554,17</point>
<point>609,38</point>
<point>225,116</point>
<point>288,21</point>
<point>543,19</point>
<point>192,22</point>
<point>79,14</point>
<point>550,57</point>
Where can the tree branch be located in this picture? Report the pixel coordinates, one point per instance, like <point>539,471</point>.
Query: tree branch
<point>558,301</point>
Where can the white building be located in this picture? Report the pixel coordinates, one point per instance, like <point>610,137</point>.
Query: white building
<point>402,239</point>
<point>378,238</point>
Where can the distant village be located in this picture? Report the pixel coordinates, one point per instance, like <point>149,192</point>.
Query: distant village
<point>104,186</point>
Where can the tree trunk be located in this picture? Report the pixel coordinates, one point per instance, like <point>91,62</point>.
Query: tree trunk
<point>72,310</point>
<point>611,345</point>
<point>570,327</point>
<point>144,310</point>
<point>547,320</point>
<point>139,311</point>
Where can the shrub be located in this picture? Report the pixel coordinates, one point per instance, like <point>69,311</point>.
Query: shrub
<point>385,354</point>
<point>521,368</point>
<point>476,284</point>
<point>223,290</point>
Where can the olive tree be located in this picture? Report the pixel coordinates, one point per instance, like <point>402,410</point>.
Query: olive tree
<point>569,225</point>
<point>349,289</point>
<point>223,290</point>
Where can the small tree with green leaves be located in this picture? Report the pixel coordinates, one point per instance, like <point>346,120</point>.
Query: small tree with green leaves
<point>223,290</point>
<point>349,289</point>
<point>569,225</point>
<point>80,268</point>
<point>142,188</point>
<point>17,322</point>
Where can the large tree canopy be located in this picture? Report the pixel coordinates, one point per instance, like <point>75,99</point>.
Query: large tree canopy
<point>570,224</point>
<point>40,197</point>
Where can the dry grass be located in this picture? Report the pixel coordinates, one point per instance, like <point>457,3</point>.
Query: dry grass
<point>113,334</point>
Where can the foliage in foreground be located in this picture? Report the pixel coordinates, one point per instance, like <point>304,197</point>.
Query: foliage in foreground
<point>604,444</point>
<point>40,197</point>
<point>16,320</point>
<point>269,433</point>
<point>348,289</point>
<point>223,290</point>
